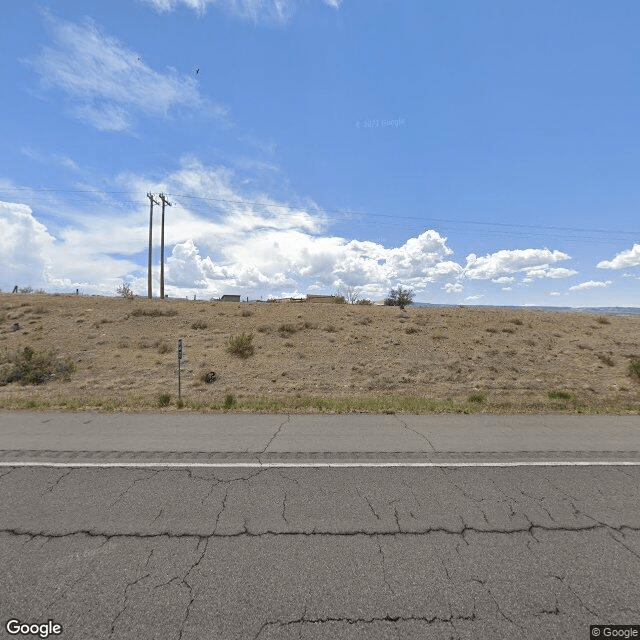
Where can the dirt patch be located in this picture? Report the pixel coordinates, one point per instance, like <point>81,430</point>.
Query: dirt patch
<point>126,351</point>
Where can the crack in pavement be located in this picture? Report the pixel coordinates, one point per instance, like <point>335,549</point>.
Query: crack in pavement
<point>57,482</point>
<point>367,501</point>
<point>122,494</point>
<point>384,567</point>
<point>189,587</point>
<point>245,532</point>
<point>563,581</point>
<point>373,620</point>
<point>273,437</point>
<point>406,426</point>
<point>126,602</point>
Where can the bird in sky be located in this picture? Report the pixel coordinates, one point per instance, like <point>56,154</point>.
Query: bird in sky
<point>197,71</point>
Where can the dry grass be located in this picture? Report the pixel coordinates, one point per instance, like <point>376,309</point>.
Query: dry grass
<point>332,358</point>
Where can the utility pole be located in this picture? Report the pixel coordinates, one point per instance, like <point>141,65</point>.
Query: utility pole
<point>152,200</point>
<point>164,201</point>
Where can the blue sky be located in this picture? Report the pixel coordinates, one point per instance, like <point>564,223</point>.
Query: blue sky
<point>476,152</point>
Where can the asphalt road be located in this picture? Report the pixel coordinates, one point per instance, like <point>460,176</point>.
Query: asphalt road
<point>196,552</point>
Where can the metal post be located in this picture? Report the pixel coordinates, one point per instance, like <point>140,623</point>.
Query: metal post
<point>179,359</point>
<point>152,201</point>
<point>164,202</point>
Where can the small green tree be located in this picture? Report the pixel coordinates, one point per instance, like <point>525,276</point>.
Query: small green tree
<point>399,298</point>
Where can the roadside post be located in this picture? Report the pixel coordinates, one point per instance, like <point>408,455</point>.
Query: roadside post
<point>179,359</point>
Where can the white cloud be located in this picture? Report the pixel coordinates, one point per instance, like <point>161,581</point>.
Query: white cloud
<point>503,280</point>
<point>451,287</point>
<point>555,293</point>
<point>278,11</point>
<point>623,260</point>
<point>533,263</point>
<point>47,158</point>
<point>591,284</point>
<point>25,246</point>
<point>109,83</point>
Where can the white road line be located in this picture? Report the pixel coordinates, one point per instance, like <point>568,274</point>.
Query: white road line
<point>312,465</point>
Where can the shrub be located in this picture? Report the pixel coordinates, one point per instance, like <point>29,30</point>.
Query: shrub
<point>229,401</point>
<point>164,400</point>
<point>287,329</point>
<point>199,324</point>
<point>634,368</point>
<point>247,313</point>
<point>399,298</point>
<point>412,330</point>
<point>559,395</point>
<point>154,313</point>
<point>241,345</point>
<point>124,290</point>
<point>478,398</point>
<point>339,300</point>
<point>26,290</point>
<point>162,347</point>
<point>364,301</point>
<point>603,320</point>
<point>33,367</point>
<point>516,321</point>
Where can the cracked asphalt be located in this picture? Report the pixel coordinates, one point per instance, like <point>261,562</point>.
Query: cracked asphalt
<point>266,553</point>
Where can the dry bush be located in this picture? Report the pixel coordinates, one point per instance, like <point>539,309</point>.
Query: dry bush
<point>154,313</point>
<point>247,313</point>
<point>287,329</point>
<point>163,347</point>
<point>36,367</point>
<point>241,345</point>
<point>199,324</point>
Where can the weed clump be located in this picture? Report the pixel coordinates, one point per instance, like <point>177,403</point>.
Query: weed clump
<point>634,369</point>
<point>241,345</point>
<point>33,367</point>
<point>229,401</point>
<point>287,329</point>
<point>164,400</point>
<point>199,324</point>
<point>558,394</point>
<point>154,313</point>
<point>477,398</point>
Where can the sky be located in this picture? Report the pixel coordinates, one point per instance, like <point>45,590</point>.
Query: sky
<point>476,152</point>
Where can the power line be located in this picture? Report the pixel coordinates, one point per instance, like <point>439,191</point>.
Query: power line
<point>349,214</point>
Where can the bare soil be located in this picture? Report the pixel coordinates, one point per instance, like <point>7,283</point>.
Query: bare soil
<point>511,359</point>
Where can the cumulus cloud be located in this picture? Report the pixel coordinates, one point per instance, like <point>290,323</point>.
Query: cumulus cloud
<point>25,246</point>
<point>532,263</point>
<point>623,260</point>
<point>223,238</point>
<point>255,10</point>
<point>108,82</point>
<point>591,284</point>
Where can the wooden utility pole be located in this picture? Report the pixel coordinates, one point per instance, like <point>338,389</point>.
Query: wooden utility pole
<point>152,201</point>
<point>164,201</point>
